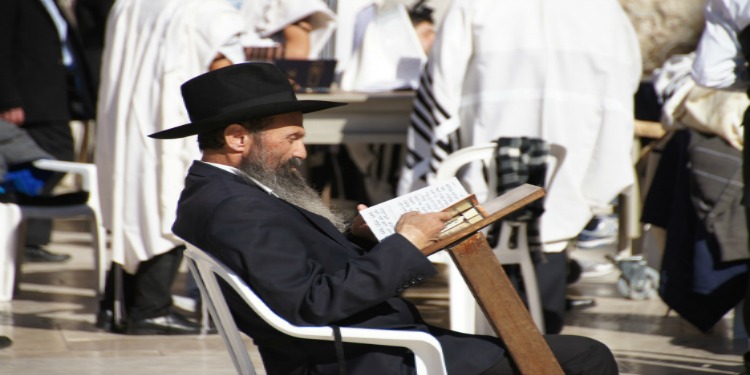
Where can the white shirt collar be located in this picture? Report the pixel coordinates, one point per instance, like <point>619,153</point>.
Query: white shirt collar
<point>240,173</point>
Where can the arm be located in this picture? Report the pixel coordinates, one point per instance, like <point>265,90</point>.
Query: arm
<point>301,271</point>
<point>220,61</point>
<point>719,62</point>
<point>297,40</point>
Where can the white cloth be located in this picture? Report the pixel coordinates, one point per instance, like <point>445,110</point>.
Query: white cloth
<point>685,104</point>
<point>152,47</point>
<point>561,70</point>
<point>267,17</point>
<point>350,15</point>
<point>719,62</point>
<point>10,218</point>
<point>389,56</point>
<point>672,83</point>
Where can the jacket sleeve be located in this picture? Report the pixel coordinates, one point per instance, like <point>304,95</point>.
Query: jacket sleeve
<point>309,275</point>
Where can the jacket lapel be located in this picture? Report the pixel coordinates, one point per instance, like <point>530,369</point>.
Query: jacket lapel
<point>323,224</point>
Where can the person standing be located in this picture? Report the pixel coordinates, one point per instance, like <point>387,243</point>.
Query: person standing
<point>44,84</point>
<point>721,62</point>
<point>564,72</point>
<point>151,48</point>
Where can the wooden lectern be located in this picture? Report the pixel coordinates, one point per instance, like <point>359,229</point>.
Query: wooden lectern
<point>493,290</point>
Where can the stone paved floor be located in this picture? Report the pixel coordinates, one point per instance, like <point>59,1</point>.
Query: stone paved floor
<point>51,324</point>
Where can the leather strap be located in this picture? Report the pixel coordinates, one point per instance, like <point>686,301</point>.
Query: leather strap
<point>339,345</point>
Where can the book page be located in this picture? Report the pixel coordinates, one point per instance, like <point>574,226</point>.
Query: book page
<point>382,218</point>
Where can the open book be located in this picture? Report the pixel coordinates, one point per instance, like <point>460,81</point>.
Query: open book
<point>450,196</point>
<point>447,196</point>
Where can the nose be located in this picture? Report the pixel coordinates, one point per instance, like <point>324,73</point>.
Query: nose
<point>299,150</point>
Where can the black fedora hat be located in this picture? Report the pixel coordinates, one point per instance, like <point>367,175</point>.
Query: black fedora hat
<point>238,93</point>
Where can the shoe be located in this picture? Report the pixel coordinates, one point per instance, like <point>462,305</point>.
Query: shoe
<point>105,320</point>
<point>170,324</point>
<point>600,231</point>
<point>5,342</point>
<point>592,268</point>
<point>578,303</point>
<point>37,254</point>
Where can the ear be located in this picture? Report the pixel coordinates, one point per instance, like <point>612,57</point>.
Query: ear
<point>237,138</point>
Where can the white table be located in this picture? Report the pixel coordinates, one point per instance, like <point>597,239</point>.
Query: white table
<point>367,118</point>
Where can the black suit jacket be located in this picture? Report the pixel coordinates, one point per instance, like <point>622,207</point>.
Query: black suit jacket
<point>32,73</point>
<point>310,274</point>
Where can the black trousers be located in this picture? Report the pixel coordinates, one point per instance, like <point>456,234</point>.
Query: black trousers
<point>148,292</point>
<point>551,274</point>
<point>576,355</point>
<point>56,139</point>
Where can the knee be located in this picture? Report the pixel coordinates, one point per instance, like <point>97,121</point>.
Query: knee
<point>604,359</point>
<point>598,358</point>
<point>582,355</point>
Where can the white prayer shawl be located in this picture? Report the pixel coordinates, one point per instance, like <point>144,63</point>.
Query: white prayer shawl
<point>268,17</point>
<point>151,48</point>
<point>561,70</point>
<point>719,62</point>
<point>707,110</point>
<point>389,56</point>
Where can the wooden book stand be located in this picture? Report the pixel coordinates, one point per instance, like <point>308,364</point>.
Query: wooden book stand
<point>493,290</point>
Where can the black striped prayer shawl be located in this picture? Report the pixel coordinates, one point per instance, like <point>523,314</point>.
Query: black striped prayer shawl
<point>522,160</point>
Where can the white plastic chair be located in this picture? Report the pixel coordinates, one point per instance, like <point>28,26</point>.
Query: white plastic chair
<point>428,354</point>
<point>463,311</point>
<point>87,210</point>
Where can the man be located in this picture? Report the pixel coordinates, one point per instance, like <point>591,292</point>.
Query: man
<point>564,72</point>
<point>721,63</point>
<point>44,84</point>
<point>246,204</point>
<point>150,48</point>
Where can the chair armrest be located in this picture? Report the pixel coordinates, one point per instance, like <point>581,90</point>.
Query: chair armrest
<point>425,346</point>
<point>86,170</point>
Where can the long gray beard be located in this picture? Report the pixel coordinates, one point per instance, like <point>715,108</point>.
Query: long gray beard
<point>290,186</point>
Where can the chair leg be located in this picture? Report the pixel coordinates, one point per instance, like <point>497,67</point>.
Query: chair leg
<point>119,313</point>
<point>532,292</point>
<point>20,248</point>
<point>462,309</point>
<point>10,250</point>
<point>99,245</point>
<point>521,255</point>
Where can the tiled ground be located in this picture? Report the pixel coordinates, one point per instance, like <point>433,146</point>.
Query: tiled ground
<point>51,324</point>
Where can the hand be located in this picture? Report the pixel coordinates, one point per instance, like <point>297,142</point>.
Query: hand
<point>422,229</point>
<point>360,228</point>
<point>14,115</point>
<point>220,61</point>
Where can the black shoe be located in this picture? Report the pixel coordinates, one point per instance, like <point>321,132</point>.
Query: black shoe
<point>37,254</point>
<point>170,324</point>
<point>5,342</point>
<point>105,320</point>
<point>578,303</point>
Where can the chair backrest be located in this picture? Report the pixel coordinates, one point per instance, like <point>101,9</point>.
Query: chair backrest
<point>486,153</point>
<point>84,206</point>
<point>205,268</point>
<point>450,167</point>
